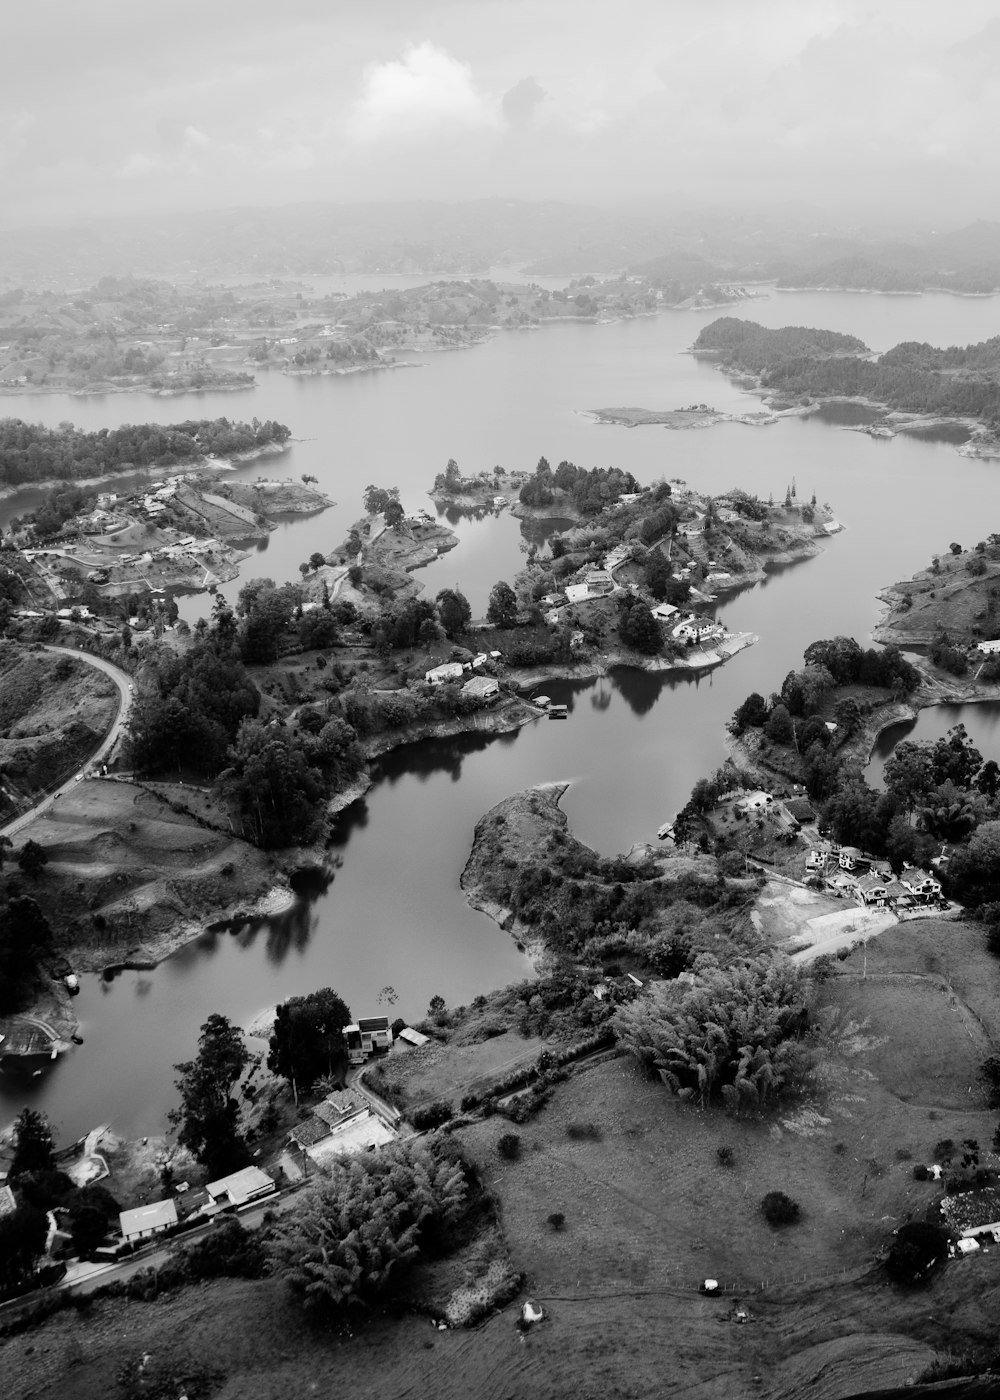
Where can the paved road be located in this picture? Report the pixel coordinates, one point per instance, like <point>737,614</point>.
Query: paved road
<point>123,681</point>
<point>156,1255</point>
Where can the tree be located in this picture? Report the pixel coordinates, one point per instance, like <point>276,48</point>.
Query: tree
<point>393,514</point>
<point>916,1248</point>
<point>33,1146</point>
<point>22,1240</point>
<point>454,611</point>
<point>779,728</point>
<point>316,560</point>
<point>207,1117</point>
<point>25,938</point>
<point>779,1209</point>
<point>307,1041</point>
<point>354,1230</point>
<point>277,790</point>
<point>92,1210</point>
<point>733,1033</point>
<point>32,859</point>
<point>502,608</point>
<point>638,627</point>
<point>750,715</point>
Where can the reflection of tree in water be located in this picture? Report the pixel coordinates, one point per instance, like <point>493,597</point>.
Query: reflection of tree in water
<point>639,689</point>
<point>432,756</point>
<point>601,698</point>
<point>290,931</point>
<point>539,532</point>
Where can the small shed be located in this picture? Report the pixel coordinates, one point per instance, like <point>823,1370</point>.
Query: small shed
<point>412,1037</point>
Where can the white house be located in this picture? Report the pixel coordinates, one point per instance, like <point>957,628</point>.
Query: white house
<point>851,858</point>
<point>600,582</point>
<point>250,1184</point>
<point>482,688</point>
<point>577,592</point>
<point>753,803</point>
<point>447,671</point>
<point>371,1033</point>
<point>663,612</point>
<point>989,648</point>
<point>918,882</point>
<point>144,1221</point>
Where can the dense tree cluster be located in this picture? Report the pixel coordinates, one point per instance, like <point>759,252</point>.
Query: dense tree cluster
<point>357,1228</point>
<point>190,709</point>
<point>31,452</point>
<point>307,1042</point>
<point>25,941</point>
<point>912,377</point>
<point>734,1033</point>
<point>590,492</point>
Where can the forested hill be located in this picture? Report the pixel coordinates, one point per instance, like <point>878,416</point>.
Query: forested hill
<point>31,452</point>
<point>961,381</point>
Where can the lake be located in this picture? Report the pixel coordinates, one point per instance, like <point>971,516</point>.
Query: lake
<point>634,744</point>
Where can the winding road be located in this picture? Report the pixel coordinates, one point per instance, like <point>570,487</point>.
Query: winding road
<point>124,683</point>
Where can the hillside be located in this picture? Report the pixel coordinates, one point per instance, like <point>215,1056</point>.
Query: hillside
<point>54,712</point>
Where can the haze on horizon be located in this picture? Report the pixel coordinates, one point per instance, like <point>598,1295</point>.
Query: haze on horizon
<point>118,108</point>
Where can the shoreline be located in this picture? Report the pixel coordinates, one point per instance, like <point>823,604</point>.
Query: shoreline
<point>220,464</point>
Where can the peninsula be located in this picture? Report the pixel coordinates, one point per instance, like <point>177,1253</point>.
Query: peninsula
<point>909,388</point>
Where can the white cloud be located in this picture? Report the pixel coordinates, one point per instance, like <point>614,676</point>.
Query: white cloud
<point>427,92</point>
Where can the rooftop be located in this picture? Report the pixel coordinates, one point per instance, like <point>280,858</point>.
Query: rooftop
<point>241,1186</point>
<point>156,1216</point>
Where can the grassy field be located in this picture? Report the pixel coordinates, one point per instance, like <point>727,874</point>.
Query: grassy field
<point>936,1062</point>
<point>649,1210</point>
<point>449,1071</point>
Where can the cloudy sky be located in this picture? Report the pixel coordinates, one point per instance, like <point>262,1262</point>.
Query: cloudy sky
<point>130,106</point>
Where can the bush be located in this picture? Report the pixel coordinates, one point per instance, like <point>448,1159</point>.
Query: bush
<point>509,1147</point>
<point>556,1220</point>
<point>431,1115</point>
<point>725,1156</point>
<point>915,1250</point>
<point>779,1209</point>
<point>584,1132</point>
<point>920,1173</point>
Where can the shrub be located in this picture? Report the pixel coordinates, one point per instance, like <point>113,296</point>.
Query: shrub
<point>509,1147</point>
<point>725,1156</point>
<point>779,1209</point>
<point>431,1115</point>
<point>917,1247</point>
<point>944,1148</point>
<point>584,1131</point>
<point>556,1220</point>
<point>920,1173</point>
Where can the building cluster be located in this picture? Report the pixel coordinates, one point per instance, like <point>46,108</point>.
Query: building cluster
<point>479,683</point>
<point>854,874</point>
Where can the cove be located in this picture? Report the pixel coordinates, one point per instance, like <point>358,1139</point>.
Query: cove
<point>634,743</point>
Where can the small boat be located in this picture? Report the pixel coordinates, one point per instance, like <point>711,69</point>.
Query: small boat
<point>558,712</point>
<point>666,831</point>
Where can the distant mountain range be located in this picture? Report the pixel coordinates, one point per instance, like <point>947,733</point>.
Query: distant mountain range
<point>788,244</point>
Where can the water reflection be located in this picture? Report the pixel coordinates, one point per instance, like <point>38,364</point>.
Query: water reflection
<point>843,414</point>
